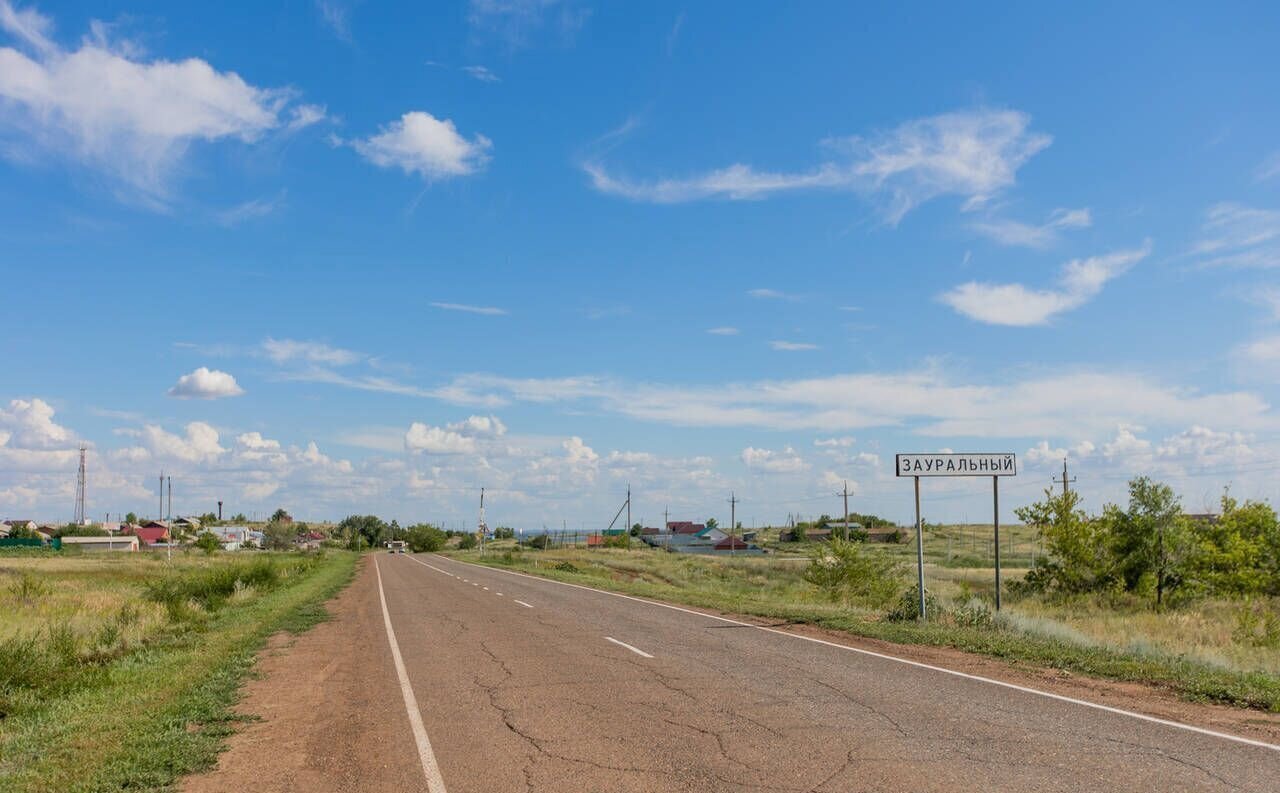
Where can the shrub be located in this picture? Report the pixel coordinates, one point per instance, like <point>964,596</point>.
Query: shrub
<point>908,607</point>
<point>539,542</point>
<point>28,588</point>
<point>846,570</point>
<point>467,541</point>
<point>618,541</point>
<point>208,542</point>
<point>567,567</point>
<point>975,613</point>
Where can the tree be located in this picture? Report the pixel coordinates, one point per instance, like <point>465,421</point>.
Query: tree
<point>208,519</point>
<point>466,542</point>
<point>1150,540</point>
<point>1240,553</point>
<point>711,523</point>
<point>280,516</point>
<point>1077,546</point>
<point>504,533</point>
<point>239,518</point>
<point>424,538</point>
<point>849,570</point>
<point>131,518</point>
<point>208,542</point>
<point>370,528</point>
<point>278,536</point>
<point>635,530</point>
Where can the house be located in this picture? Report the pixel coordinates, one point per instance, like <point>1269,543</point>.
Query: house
<point>186,524</point>
<point>151,532</point>
<point>885,534</point>
<point>107,543</point>
<point>232,537</point>
<point>649,531</point>
<point>684,527</point>
<point>10,525</point>
<point>155,524</point>
<point>595,541</point>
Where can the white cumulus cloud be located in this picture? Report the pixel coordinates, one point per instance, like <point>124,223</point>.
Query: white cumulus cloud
<point>29,424</point>
<point>205,383</point>
<point>419,143</point>
<point>106,107</point>
<point>436,440</point>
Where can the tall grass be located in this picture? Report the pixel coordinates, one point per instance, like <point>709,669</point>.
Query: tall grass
<point>63,620</point>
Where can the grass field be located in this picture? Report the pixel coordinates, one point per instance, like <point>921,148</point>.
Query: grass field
<point>1209,650</point>
<point>118,671</point>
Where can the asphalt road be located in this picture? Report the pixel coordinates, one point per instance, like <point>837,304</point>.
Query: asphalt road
<point>528,684</point>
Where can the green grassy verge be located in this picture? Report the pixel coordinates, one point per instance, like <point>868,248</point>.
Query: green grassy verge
<point>766,588</point>
<point>162,707</point>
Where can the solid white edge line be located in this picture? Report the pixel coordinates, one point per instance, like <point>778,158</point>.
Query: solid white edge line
<point>435,782</point>
<point>635,650</point>
<point>992,681</point>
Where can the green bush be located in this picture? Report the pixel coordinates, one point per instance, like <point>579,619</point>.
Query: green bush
<point>846,570</point>
<point>539,542</point>
<point>975,613</point>
<point>208,542</point>
<point>424,538</point>
<point>908,607</point>
<point>467,541</point>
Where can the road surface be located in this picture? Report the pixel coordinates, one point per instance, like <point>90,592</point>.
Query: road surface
<point>500,682</point>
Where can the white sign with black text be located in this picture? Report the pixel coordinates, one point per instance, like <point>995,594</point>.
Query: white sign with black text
<point>957,465</point>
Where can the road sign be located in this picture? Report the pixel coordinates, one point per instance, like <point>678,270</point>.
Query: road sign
<point>957,465</point>
<point>992,465</point>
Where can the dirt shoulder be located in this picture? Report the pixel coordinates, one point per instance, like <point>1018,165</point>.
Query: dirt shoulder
<point>326,709</point>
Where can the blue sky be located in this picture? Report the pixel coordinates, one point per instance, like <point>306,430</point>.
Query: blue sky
<point>349,257</point>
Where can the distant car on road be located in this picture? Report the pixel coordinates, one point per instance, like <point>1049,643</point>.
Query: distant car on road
<point>396,546</point>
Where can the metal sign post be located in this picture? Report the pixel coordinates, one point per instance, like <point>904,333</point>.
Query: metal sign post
<point>992,465</point>
<point>919,550</point>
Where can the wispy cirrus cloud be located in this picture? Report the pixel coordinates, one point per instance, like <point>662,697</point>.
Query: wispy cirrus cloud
<point>1014,233</point>
<point>1234,235</point>
<point>925,402</point>
<point>1014,304</point>
<point>773,294</point>
<point>517,23</point>
<point>293,350</point>
<point>488,311</point>
<point>792,346</point>
<point>482,73</point>
<point>972,155</point>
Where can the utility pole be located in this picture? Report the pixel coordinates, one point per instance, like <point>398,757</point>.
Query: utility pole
<point>1064,481</point>
<point>168,546</point>
<point>733,525</point>
<point>628,510</point>
<point>666,524</point>
<point>845,521</point>
<point>482,528</point>
<point>160,514</point>
<point>80,485</point>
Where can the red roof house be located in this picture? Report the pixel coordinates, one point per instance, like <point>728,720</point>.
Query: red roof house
<point>731,544</point>
<point>149,534</point>
<point>684,527</point>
